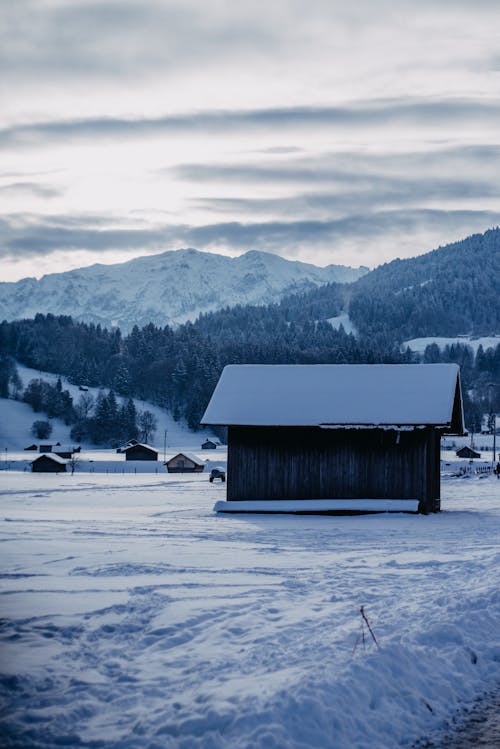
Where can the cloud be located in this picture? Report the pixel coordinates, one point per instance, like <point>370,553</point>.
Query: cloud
<point>69,39</point>
<point>349,182</point>
<point>349,166</point>
<point>372,195</point>
<point>363,115</point>
<point>23,237</point>
<point>29,189</point>
<point>279,150</point>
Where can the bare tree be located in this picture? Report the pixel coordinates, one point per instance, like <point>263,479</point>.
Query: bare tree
<point>148,423</point>
<point>73,462</point>
<point>84,406</point>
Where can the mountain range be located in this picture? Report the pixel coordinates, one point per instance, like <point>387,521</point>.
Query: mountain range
<point>165,289</point>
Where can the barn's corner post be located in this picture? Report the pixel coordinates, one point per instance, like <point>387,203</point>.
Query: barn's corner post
<point>335,439</point>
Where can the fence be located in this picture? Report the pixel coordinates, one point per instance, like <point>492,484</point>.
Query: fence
<point>475,470</point>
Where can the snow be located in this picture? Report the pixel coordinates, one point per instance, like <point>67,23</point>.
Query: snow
<point>16,419</point>
<point>51,456</point>
<point>420,344</point>
<point>318,505</point>
<point>346,322</point>
<point>133,617</point>
<point>190,456</point>
<point>168,288</point>
<point>311,395</point>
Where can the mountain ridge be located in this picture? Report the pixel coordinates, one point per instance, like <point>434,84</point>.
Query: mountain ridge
<point>171,287</point>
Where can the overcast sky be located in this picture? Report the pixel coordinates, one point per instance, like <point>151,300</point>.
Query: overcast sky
<point>324,131</point>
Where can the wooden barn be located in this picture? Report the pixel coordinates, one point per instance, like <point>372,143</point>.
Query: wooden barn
<point>185,463</point>
<point>335,438</point>
<point>209,445</point>
<point>467,452</point>
<point>48,464</point>
<point>66,451</point>
<point>140,452</point>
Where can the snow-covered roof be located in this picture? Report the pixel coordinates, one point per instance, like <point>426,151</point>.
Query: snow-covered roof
<point>51,456</point>
<point>137,445</point>
<point>190,456</point>
<point>337,395</point>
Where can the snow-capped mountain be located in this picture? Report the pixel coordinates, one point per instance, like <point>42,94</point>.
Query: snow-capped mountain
<point>169,288</point>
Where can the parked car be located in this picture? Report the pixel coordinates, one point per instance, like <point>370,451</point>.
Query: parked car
<point>217,473</point>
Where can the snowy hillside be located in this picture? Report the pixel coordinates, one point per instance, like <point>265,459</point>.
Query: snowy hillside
<point>420,344</point>
<point>16,419</point>
<point>135,618</point>
<point>164,289</point>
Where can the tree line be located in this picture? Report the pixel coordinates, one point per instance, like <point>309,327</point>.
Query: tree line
<point>178,369</point>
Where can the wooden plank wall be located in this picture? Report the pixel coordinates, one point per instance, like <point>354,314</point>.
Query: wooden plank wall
<point>301,463</point>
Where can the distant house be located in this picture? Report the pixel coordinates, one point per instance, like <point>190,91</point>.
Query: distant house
<point>185,463</point>
<point>209,445</point>
<point>467,452</point>
<point>335,438</point>
<point>65,451</point>
<point>140,452</point>
<point>45,448</point>
<point>48,464</point>
<point>31,447</point>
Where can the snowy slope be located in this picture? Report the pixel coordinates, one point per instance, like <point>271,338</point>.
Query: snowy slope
<point>346,322</point>
<point>420,344</point>
<point>135,618</point>
<point>164,289</point>
<point>16,419</point>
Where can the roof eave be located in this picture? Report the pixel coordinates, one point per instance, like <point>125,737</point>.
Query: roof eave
<point>389,425</point>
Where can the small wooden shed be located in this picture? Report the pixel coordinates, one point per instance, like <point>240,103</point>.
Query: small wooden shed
<point>185,463</point>
<point>48,464</point>
<point>65,451</point>
<point>467,452</point>
<point>140,452</point>
<point>335,438</point>
<point>209,445</point>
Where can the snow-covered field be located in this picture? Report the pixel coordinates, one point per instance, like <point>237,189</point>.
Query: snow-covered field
<point>420,344</point>
<point>344,320</point>
<point>134,617</point>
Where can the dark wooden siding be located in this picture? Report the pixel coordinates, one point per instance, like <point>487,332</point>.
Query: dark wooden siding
<point>185,469</point>
<point>137,452</point>
<point>301,463</point>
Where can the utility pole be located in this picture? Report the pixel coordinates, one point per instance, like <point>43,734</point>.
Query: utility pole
<point>165,446</point>
<point>493,419</point>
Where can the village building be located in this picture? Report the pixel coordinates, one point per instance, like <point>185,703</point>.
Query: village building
<point>185,463</point>
<point>31,447</point>
<point>48,463</point>
<point>209,445</point>
<point>467,452</point>
<point>335,438</point>
<point>140,452</point>
<point>65,451</point>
